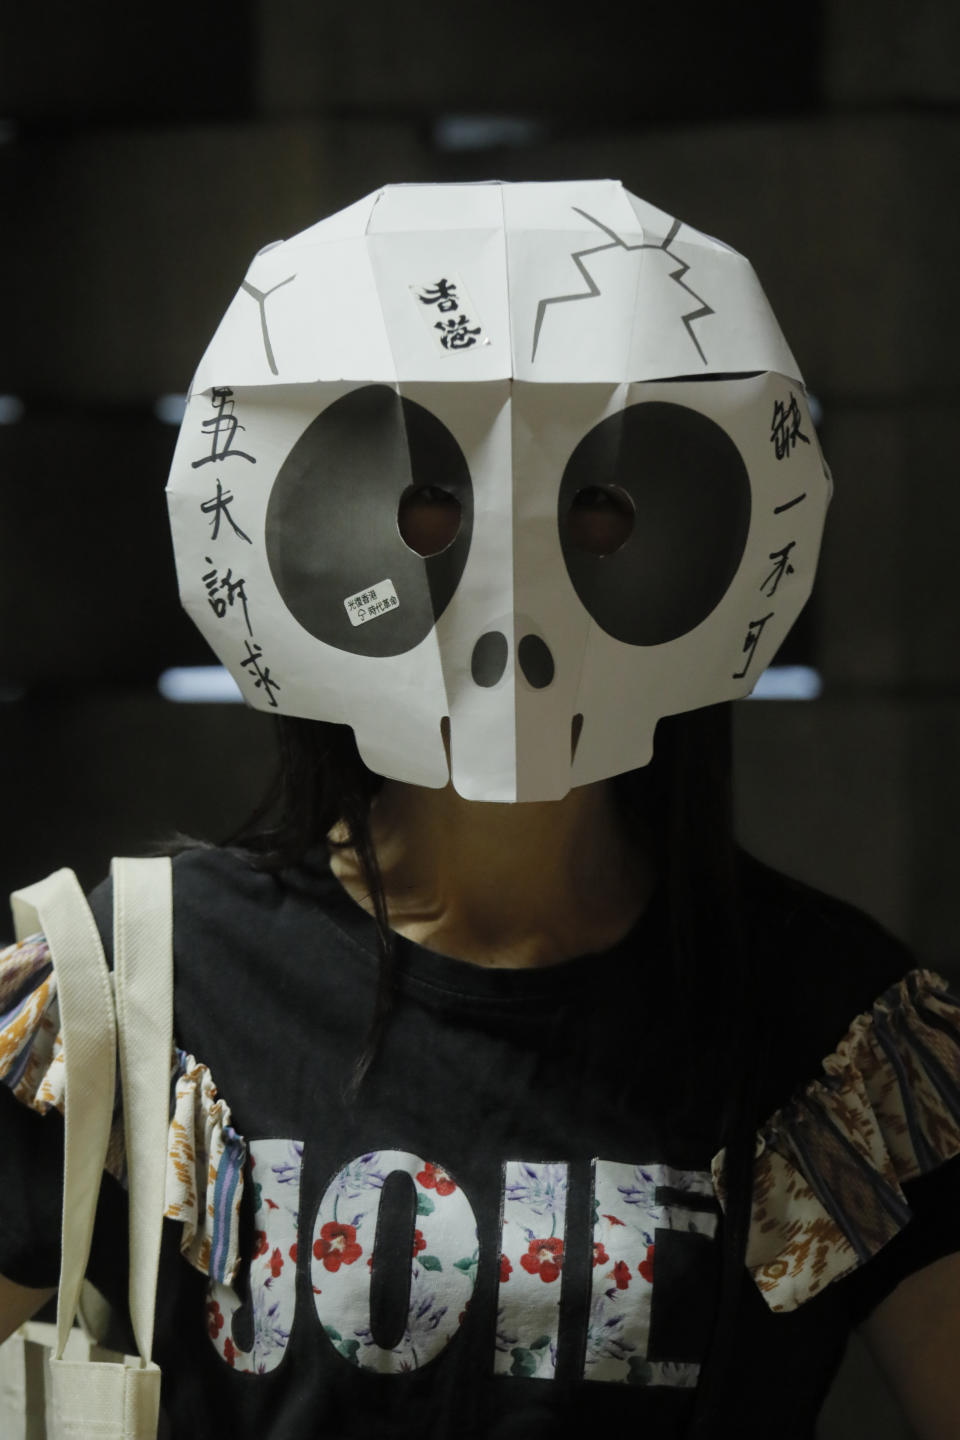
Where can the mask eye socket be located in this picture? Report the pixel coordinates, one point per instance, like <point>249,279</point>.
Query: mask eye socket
<point>600,519</point>
<point>650,576</point>
<point>372,464</point>
<point>428,519</point>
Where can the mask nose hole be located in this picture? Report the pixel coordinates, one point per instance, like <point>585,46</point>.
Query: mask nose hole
<point>489,658</point>
<point>536,662</point>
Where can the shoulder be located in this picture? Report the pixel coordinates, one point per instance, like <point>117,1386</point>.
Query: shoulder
<point>860,1055</point>
<point>222,894</point>
<point>810,935</point>
<point>810,923</point>
<point>818,963</point>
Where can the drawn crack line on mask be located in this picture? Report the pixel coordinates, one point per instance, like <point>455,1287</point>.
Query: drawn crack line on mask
<point>593,289</point>
<point>261,297</point>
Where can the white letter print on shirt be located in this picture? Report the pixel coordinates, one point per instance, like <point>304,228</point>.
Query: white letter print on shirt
<point>630,1204</point>
<point>627,1216</point>
<point>253,1338</point>
<point>532,1236</point>
<point>443,1266</point>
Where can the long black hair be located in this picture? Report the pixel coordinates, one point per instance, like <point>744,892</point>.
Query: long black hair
<point>682,802</point>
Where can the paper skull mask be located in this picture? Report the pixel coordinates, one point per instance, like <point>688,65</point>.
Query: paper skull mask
<point>535,458</point>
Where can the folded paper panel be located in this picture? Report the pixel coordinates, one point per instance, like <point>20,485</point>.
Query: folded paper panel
<point>348,223</point>
<point>442,296</point>
<point>421,208</point>
<point>302,315</point>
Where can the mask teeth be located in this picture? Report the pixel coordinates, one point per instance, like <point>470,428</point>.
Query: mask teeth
<point>576,725</point>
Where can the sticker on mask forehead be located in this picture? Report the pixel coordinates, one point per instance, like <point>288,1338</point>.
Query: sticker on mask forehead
<point>368,604</point>
<point>449,312</point>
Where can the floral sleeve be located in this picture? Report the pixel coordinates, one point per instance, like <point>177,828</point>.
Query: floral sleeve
<point>830,1164</point>
<point>205,1157</point>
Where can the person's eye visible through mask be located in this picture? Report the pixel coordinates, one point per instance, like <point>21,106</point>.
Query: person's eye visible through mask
<point>428,518</point>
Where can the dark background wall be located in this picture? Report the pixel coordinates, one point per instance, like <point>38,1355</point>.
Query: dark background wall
<point>146,153</point>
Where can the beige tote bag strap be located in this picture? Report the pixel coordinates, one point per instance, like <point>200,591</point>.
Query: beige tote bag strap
<point>57,906</point>
<point>89,1399</point>
<point>143,966</point>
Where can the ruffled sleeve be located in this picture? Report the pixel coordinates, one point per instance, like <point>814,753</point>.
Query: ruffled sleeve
<point>831,1163</point>
<point>205,1155</point>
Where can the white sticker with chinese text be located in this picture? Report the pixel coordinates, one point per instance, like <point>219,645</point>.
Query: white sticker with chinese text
<point>368,604</point>
<point>449,313</point>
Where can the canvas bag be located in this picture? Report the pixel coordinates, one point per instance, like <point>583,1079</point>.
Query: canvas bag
<point>131,1014</point>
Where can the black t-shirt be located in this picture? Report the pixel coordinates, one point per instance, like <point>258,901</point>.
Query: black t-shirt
<point>510,1229</point>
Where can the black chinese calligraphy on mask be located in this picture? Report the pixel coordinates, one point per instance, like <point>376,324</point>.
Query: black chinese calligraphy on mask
<point>690,491</point>
<point>331,525</point>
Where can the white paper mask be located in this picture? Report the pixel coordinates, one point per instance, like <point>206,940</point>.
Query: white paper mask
<point>515,346</point>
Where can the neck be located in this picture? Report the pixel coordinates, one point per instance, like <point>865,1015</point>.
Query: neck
<point>522,885</point>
